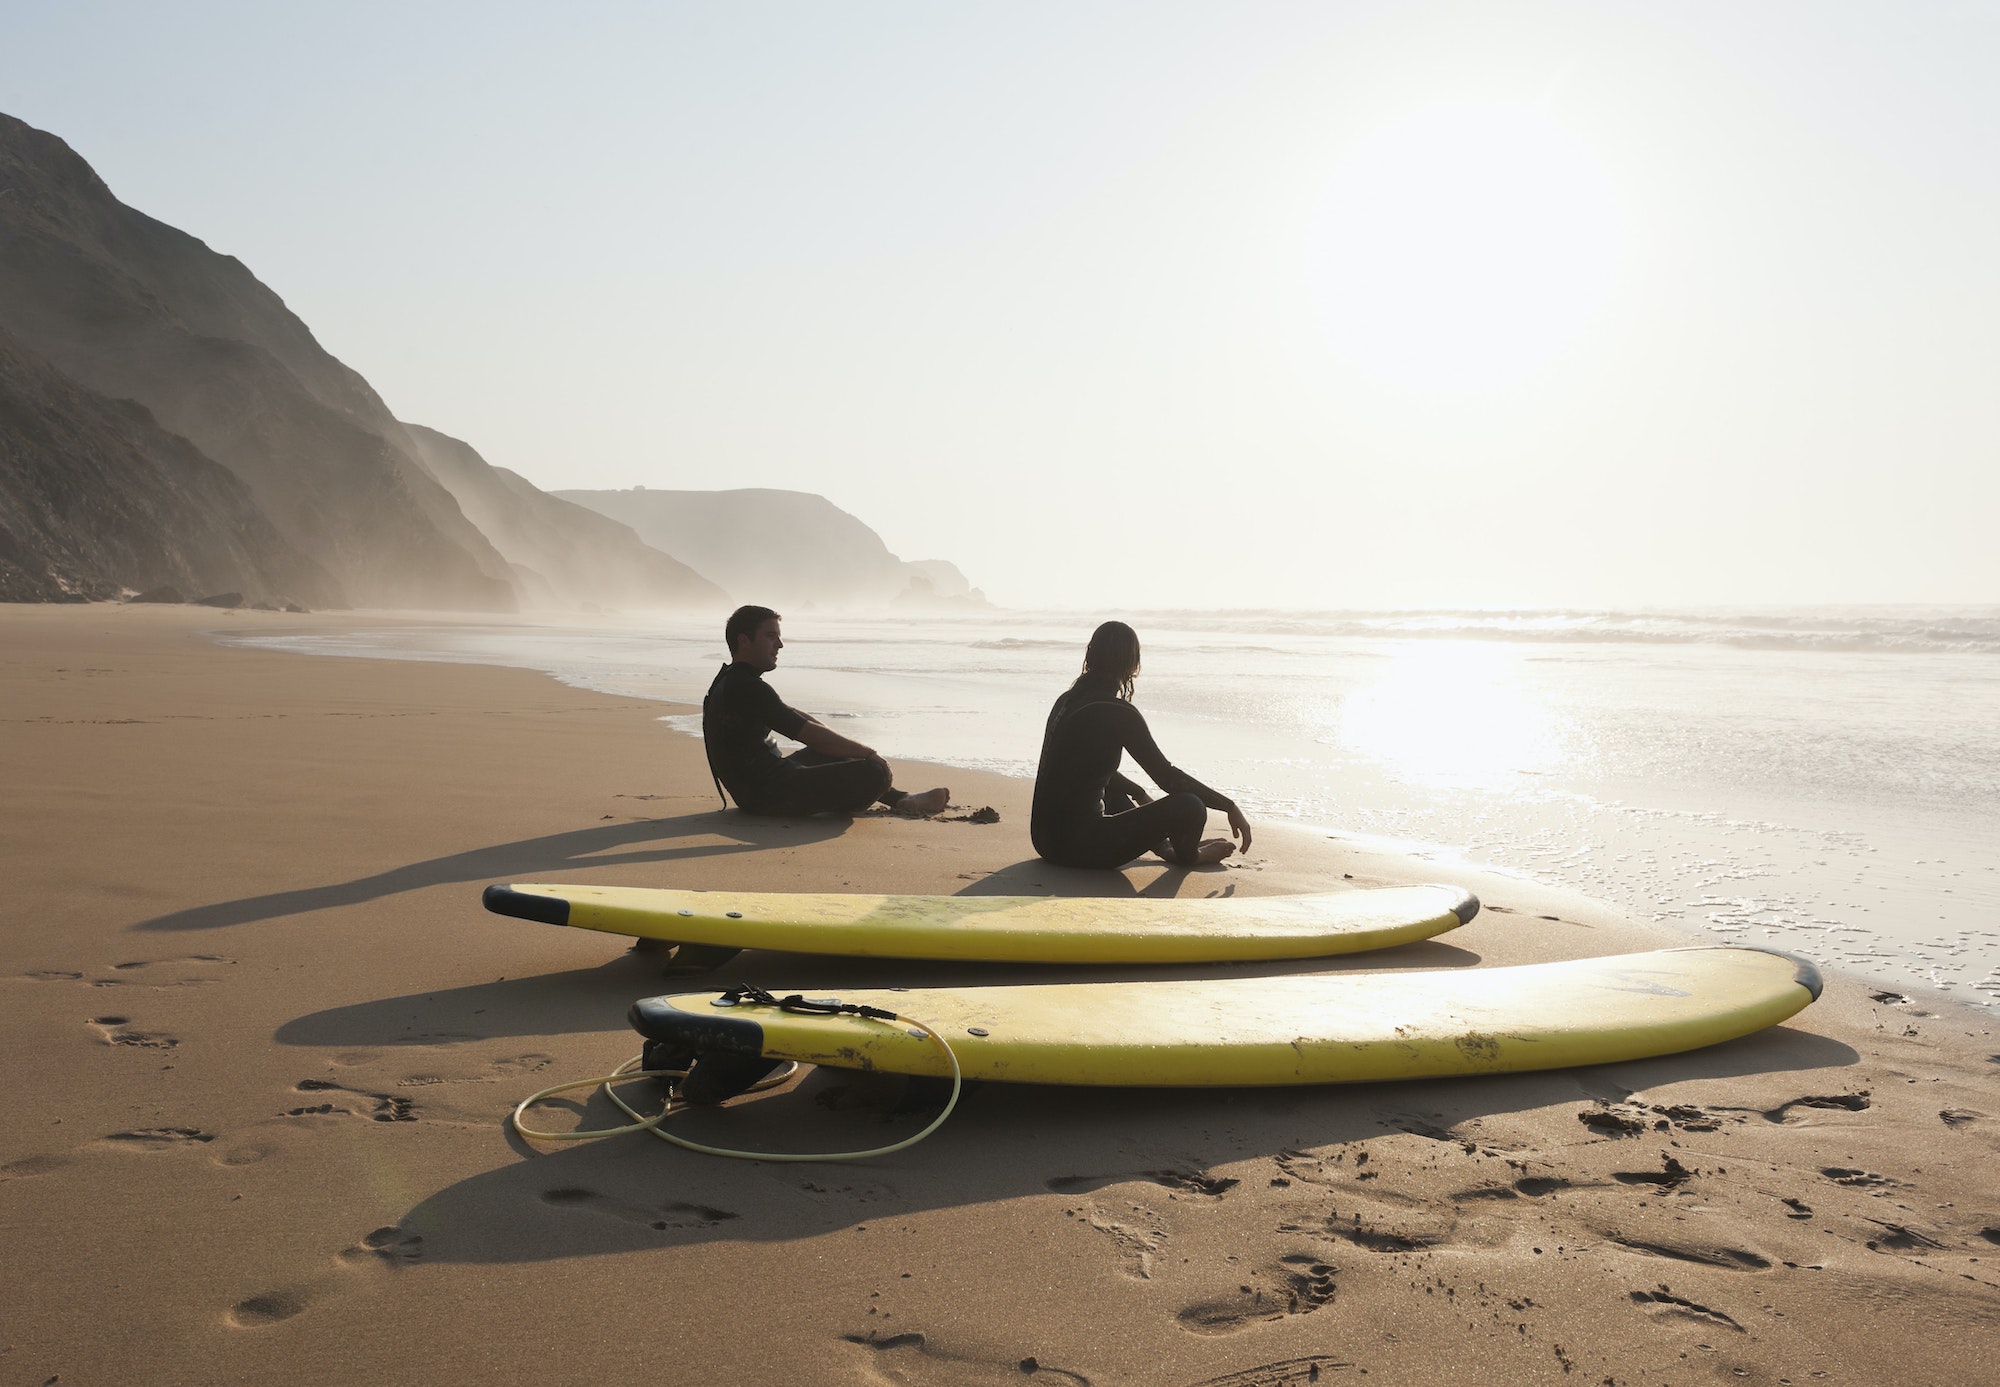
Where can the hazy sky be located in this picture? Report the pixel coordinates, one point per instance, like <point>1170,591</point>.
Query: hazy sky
<point>1143,304</point>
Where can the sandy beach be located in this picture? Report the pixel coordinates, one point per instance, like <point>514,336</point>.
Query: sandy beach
<point>262,1040</point>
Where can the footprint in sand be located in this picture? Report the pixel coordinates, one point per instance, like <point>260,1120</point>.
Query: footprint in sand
<point>1382,1239</point>
<point>1688,1117</point>
<point>246,1154</point>
<point>390,1246</point>
<point>117,1030</point>
<point>53,975</point>
<point>1286,1372</point>
<point>1137,1234</point>
<point>187,970</point>
<point>27,1167</point>
<point>1294,1285</point>
<point>1403,1225</point>
<point>1667,1305</point>
<point>856,1192</point>
<point>1309,1168</point>
<point>1528,1186</point>
<point>353,1102</point>
<point>1535,1186</point>
<point>386,1250</point>
<point>161,1138</point>
<point>1896,1237</point>
<point>1186,1181</point>
<point>1671,1175</point>
<point>182,958</point>
<point>1845,1102</point>
<point>1728,1258</point>
<point>660,1217</point>
<point>1855,1179</point>
<point>267,1308</point>
<point>911,1360</point>
<point>1618,1119</point>
<point>506,1070</point>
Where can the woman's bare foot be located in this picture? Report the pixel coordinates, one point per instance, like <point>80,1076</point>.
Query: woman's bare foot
<point>924,805</point>
<point>1211,851</point>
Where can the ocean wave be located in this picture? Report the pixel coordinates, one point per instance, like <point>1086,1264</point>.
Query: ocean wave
<point>1832,630</point>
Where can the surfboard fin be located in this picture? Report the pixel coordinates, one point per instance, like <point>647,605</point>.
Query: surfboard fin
<point>690,959</point>
<point>716,1077</point>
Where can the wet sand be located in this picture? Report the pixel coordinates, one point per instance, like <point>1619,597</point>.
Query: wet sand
<point>261,1041</point>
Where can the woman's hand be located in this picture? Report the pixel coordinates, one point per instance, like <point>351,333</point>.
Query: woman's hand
<point>1240,827</point>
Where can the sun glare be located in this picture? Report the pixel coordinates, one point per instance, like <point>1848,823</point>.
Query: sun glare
<point>1453,712</point>
<point>1464,246</point>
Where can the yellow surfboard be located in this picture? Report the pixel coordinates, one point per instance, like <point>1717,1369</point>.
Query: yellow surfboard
<point>1284,1030</point>
<point>1005,929</point>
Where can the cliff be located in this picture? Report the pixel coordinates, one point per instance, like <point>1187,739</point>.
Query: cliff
<point>780,548</point>
<point>564,556</point>
<point>168,421</point>
<point>131,308</point>
<point>98,501</point>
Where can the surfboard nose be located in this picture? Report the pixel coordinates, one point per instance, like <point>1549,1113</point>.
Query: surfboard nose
<point>525,905</point>
<point>1465,907</point>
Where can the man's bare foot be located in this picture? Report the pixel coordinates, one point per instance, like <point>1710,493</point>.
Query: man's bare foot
<point>924,805</point>
<point>1212,851</point>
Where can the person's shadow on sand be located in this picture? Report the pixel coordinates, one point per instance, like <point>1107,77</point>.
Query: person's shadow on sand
<point>1035,876</point>
<point>587,847</point>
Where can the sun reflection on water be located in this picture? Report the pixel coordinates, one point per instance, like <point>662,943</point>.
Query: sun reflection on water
<point>1453,713</point>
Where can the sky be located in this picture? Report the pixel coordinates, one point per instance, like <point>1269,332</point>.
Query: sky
<point>1147,304</point>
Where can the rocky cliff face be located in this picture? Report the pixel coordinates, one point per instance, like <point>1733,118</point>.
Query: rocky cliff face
<point>131,308</point>
<point>564,556</point>
<point>779,548</point>
<point>98,501</point>
<point>165,420</point>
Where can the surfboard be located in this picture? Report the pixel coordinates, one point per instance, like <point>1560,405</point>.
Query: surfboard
<point>1319,1029</point>
<point>1005,929</point>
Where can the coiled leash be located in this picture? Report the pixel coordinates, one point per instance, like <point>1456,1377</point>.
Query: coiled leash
<point>745,995</point>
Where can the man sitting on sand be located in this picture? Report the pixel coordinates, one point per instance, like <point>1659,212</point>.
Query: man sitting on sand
<point>831,772</point>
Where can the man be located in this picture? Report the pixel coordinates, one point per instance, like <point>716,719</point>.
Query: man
<point>832,772</point>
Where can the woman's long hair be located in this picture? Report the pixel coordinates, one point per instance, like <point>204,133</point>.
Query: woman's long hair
<point>1113,654</point>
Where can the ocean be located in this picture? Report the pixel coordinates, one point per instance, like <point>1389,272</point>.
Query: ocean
<point>1825,780</point>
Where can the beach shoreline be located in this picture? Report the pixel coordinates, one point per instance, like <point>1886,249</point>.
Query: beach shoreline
<point>1824,800</point>
<point>268,1038</point>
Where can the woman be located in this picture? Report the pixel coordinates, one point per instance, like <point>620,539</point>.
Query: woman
<point>1088,815</point>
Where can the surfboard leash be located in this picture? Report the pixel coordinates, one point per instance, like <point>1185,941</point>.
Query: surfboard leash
<point>741,996</point>
<point>809,1006</point>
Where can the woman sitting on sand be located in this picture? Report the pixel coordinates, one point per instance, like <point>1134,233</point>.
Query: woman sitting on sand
<point>1088,815</point>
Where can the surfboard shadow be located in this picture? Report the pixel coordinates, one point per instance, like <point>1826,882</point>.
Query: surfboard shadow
<point>582,849</point>
<point>1034,876</point>
<point>634,1193</point>
<point>583,1001</point>
<point>580,1001</point>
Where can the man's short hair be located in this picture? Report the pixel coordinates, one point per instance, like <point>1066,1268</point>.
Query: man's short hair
<point>744,621</point>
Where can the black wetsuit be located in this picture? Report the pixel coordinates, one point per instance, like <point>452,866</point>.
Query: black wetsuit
<point>738,716</point>
<point>1086,814</point>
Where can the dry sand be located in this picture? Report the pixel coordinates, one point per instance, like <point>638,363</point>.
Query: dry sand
<point>261,1038</point>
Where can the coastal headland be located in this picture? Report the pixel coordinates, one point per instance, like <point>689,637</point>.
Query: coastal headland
<point>262,1039</point>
